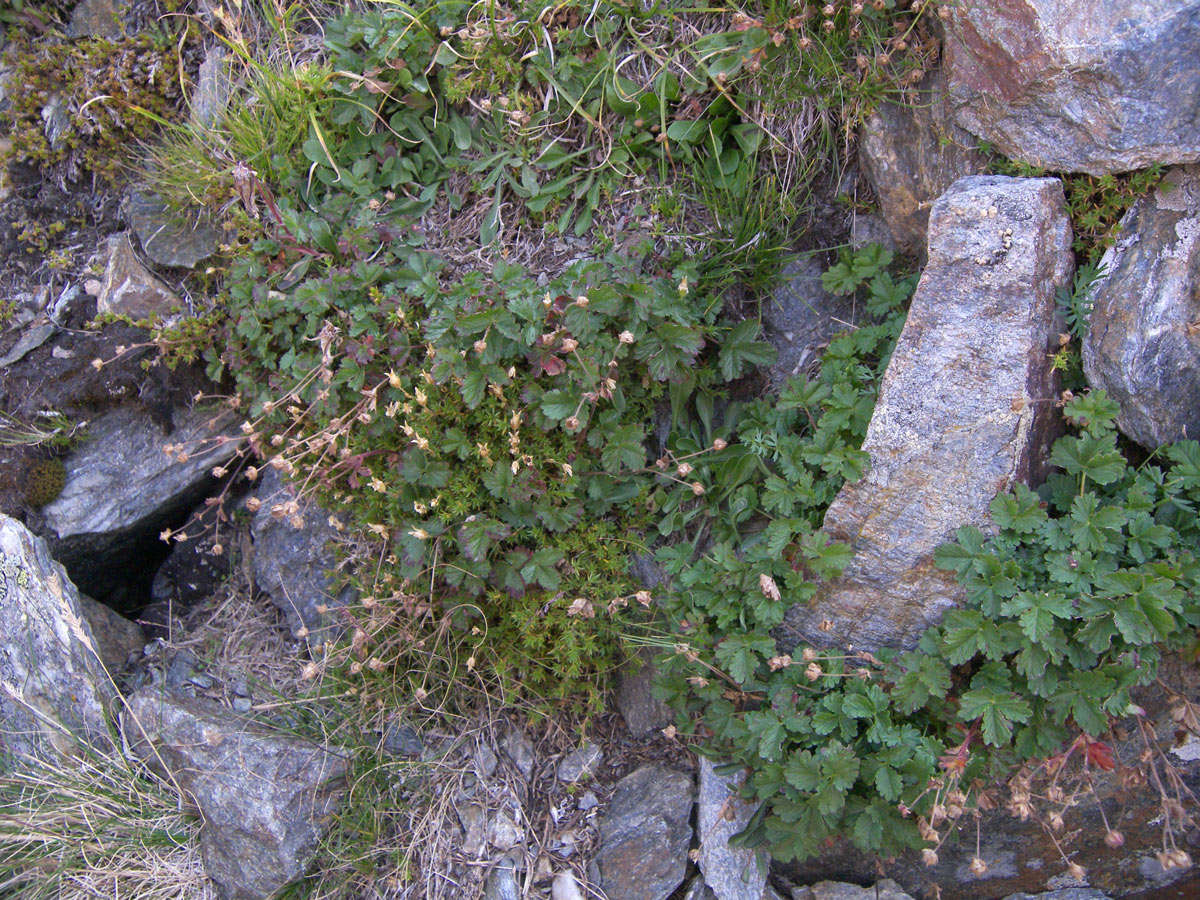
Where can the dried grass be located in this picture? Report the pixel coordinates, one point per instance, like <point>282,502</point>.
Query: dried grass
<point>96,826</point>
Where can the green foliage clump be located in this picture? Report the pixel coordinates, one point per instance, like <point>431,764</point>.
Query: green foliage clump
<point>1095,203</point>
<point>1068,609</point>
<point>44,481</point>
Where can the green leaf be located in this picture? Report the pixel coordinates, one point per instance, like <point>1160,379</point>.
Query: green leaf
<point>541,568</point>
<point>888,783</point>
<point>560,403</point>
<point>1038,612</point>
<point>740,350</point>
<point>1094,458</point>
<point>740,654</point>
<point>623,449</point>
<point>1020,512</point>
<point>997,711</point>
<point>474,386</point>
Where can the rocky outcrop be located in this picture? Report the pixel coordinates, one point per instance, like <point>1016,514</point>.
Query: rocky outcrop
<point>53,690</point>
<point>1093,86</point>
<point>801,316</point>
<point>964,411</point>
<point>911,154</point>
<point>294,561</point>
<point>266,798</point>
<point>644,835</point>
<point>1143,338</point>
<point>731,873</point>
<point>122,489</point>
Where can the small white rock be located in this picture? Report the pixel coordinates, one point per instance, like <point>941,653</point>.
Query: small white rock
<point>565,887</point>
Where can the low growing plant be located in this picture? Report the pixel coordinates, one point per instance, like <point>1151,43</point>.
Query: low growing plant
<point>1068,609</point>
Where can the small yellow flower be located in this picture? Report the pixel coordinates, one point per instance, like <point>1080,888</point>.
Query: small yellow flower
<point>378,485</point>
<point>420,534</point>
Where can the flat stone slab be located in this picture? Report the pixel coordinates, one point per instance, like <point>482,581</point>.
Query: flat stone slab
<point>644,835</point>
<point>965,411</point>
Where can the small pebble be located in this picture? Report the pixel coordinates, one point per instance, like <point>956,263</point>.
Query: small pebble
<point>241,704</point>
<point>565,887</point>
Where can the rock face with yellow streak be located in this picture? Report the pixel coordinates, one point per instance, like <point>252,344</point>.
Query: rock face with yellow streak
<point>966,410</point>
<point>53,690</point>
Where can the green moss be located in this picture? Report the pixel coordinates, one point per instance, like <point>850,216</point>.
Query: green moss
<point>110,92</point>
<point>45,481</point>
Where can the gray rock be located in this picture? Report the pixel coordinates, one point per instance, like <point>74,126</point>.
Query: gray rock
<point>580,763</point>
<point>122,489</point>
<point>1092,86</point>
<point>502,881</point>
<point>870,228</point>
<point>212,89</point>
<point>885,889</point>
<point>732,874</point>
<point>56,122</point>
<point>588,801</point>
<point>486,759</point>
<point>266,798</point>
<point>294,565</point>
<point>241,704</point>
<point>53,689</point>
<point>911,153</point>
<point>963,411</point>
<point>503,832</point>
<point>519,751</point>
<point>1072,893</point>
<point>644,835</point>
<point>643,713</point>
<point>473,818</point>
<point>30,339</point>
<point>116,637</point>
<point>172,237</point>
<point>402,740</point>
<point>801,316</point>
<point>98,19</point>
<point>698,890</point>
<point>1143,343</point>
<point>128,288</point>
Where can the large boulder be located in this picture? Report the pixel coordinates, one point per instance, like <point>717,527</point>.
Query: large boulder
<point>266,798</point>
<point>1143,338</point>
<point>122,489</point>
<point>53,688</point>
<point>911,153</point>
<point>965,411</point>
<point>1095,86</point>
<point>644,835</point>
